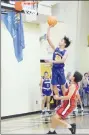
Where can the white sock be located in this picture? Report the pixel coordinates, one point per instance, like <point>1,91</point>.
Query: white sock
<point>52,129</point>
<point>69,126</point>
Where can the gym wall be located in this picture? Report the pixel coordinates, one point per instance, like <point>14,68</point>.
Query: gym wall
<point>20,81</point>
<point>68,13</point>
<point>82,49</point>
<point>76,19</point>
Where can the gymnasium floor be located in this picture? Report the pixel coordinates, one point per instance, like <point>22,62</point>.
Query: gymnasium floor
<point>32,125</point>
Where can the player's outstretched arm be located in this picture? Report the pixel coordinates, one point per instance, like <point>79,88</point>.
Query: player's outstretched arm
<point>48,38</point>
<point>58,61</point>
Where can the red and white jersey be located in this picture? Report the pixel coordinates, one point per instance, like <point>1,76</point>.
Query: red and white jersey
<point>74,96</point>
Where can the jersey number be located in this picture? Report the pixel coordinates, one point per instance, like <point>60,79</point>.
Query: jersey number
<point>57,58</point>
<point>48,85</point>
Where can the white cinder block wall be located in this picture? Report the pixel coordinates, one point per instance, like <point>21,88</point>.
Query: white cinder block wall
<point>20,81</point>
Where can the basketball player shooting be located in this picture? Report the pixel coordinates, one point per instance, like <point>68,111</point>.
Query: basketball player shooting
<point>67,107</point>
<point>59,57</point>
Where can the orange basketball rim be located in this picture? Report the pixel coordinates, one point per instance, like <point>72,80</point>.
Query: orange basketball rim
<point>19,7</point>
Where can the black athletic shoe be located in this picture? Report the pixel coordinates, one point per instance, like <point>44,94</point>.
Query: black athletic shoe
<point>52,132</point>
<point>73,128</point>
<point>49,112</point>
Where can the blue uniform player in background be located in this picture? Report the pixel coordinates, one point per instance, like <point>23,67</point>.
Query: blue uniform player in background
<point>85,85</point>
<point>46,92</point>
<point>59,57</point>
<point>88,83</point>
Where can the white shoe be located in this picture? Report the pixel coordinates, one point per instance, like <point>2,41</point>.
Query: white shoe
<point>75,113</point>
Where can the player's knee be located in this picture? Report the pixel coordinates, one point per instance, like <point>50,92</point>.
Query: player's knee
<point>48,101</point>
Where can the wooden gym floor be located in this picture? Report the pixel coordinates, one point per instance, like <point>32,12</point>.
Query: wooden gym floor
<point>33,125</point>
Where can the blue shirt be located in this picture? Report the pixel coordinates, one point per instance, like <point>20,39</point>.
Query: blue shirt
<point>46,84</point>
<point>57,55</point>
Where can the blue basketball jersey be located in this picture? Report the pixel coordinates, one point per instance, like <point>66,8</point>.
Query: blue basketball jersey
<point>57,55</point>
<point>46,84</point>
<point>88,86</point>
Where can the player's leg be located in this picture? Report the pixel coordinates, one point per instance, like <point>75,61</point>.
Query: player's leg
<point>48,104</point>
<point>62,80</point>
<point>56,121</point>
<point>54,81</point>
<point>43,104</point>
<point>61,114</point>
<point>59,102</point>
<point>49,92</point>
<point>80,103</point>
<point>55,89</point>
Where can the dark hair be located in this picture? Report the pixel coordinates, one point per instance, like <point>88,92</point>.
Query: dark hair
<point>67,41</point>
<point>85,74</point>
<point>77,77</point>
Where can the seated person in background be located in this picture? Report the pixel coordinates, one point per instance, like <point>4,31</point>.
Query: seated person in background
<point>85,83</point>
<point>45,86</point>
<point>88,82</point>
<point>88,89</point>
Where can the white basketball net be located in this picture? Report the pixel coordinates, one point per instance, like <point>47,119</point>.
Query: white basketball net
<point>30,13</point>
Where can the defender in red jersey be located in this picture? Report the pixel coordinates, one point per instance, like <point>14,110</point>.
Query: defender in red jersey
<point>68,105</point>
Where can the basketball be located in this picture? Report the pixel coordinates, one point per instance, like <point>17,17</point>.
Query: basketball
<point>18,6</point>
<point>52,20</point>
